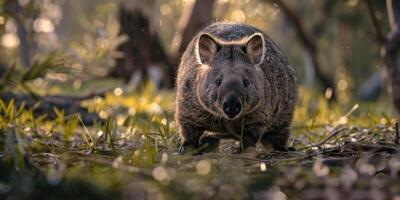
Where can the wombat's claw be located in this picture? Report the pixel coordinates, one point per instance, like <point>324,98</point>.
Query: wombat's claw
<point>181,150</point>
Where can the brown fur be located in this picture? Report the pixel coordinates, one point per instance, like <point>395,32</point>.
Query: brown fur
<point>232,53</point>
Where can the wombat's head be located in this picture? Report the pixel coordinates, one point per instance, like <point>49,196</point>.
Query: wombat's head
<point>230,82</point>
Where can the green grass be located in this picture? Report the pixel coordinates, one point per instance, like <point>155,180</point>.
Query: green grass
<point>345,150</point>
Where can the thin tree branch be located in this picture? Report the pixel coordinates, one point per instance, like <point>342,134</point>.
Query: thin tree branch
<point>322,21</point>
<point>393,12</point>
<point>310,46</point>
<point>378,31</point>
<point>299,26</point>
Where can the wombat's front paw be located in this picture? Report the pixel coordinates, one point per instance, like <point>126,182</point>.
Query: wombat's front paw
<point>209,144</point>
<point>188,150</point>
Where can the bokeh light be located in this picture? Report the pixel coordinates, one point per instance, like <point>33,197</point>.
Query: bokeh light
<point>10,40</point>
<point>203,167</point>
<point>43,25</point>
<point>238,16</point>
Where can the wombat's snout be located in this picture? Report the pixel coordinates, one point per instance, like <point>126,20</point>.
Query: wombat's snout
<point>231,106</point>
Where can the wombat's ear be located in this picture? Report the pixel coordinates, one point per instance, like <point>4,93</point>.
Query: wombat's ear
<point>255,48</point>
<point>206,49</point>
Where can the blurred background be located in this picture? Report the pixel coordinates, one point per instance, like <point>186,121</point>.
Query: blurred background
<point>334,45</point>
<point>87,95</point>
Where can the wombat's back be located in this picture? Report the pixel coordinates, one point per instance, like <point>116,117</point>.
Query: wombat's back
<point>230,31</point>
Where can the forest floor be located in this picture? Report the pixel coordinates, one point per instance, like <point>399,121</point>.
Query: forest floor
<point>349,152</point>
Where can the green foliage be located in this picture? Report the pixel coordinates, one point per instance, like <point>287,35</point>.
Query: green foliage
<point>18,79</point>
<point>40,68</point>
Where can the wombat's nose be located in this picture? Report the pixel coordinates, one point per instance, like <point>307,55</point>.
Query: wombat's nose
<point>231,107</point>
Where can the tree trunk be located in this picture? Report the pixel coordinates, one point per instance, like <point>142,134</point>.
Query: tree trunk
<point>194,17</point>
<point>143,49</point>
<point>391,49</point>
<point>13,9</point>
<point>136,26</point>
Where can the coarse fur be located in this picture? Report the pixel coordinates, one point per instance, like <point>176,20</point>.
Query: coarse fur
<point>240,62</point>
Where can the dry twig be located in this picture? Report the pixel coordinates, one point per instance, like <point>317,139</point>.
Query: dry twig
<point>397,137</point>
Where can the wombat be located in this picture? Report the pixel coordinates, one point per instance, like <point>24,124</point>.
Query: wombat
<point>234,82</point>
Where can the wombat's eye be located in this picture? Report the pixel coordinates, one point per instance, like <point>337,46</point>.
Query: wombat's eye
<point>246,82</point>
<point>218,82</point>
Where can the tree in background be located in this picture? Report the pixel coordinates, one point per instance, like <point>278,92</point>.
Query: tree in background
<point>19,14</point>
<point>28,29</point>
<point>390,45</point>
<point>143,52</point>
<point>390,52</point>
<point>194,17</point>
<point>309,41</point>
